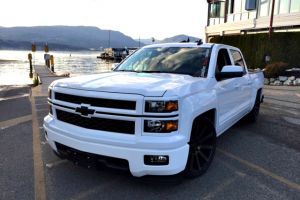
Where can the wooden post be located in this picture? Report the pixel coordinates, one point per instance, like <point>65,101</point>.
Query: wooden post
<point>52,62</point>
<point>30,65</point>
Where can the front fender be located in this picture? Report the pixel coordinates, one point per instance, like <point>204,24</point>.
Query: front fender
<point>194,105</point>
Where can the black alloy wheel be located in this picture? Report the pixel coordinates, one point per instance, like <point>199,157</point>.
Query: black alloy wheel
<point>253,114</point>
<point>202,147</point>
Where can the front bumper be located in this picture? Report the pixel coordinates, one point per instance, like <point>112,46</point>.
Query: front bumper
<point>132,150</point>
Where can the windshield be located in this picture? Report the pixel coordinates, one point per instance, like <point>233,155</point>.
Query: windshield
<point>180,60</point>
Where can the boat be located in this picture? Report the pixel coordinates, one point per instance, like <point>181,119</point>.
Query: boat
<point>116,54</point>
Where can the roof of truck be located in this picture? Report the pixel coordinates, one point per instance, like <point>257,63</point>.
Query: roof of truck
<point>187,44</point>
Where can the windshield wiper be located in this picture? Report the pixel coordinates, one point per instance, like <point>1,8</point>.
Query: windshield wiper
<point>145,71</point>
<point>167,72</point>
<point>124,70</point>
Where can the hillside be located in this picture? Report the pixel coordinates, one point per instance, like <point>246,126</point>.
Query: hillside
<point>23,45</point>
<point>177,38</point>
<point>78,37</point>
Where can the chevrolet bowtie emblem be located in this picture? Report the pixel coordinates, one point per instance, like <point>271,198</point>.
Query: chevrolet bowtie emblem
<point>85,111</point>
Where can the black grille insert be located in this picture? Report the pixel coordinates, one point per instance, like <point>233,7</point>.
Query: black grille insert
<point>95,123</point>
<point>98,102</point>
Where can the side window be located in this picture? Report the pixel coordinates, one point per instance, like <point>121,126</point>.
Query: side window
<point>222,59</point>
<point>237,58</point>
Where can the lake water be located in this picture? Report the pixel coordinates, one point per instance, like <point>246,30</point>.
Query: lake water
<point>14,65</point>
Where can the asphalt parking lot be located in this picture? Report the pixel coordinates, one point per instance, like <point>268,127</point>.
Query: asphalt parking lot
<point>253,161</point>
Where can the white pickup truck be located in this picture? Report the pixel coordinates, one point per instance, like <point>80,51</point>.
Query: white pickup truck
<point>159,112</point>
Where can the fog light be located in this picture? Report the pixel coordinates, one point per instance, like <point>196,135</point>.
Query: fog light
<point>160,126</point>
<point>156,159</point>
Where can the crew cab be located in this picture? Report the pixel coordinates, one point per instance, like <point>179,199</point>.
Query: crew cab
<point>158,112</point>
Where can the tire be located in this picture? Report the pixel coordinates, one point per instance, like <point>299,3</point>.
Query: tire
<point>253,114</point>
<point>202,148</point>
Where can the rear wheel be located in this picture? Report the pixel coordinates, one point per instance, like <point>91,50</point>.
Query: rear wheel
<point>202,147</point>
<point>253,115</point>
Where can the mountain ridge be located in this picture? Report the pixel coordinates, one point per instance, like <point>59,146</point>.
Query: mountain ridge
<point>176,38</point>
<point>78,37</point>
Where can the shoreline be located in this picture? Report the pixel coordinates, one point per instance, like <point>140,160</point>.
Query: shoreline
<point>8,61</point>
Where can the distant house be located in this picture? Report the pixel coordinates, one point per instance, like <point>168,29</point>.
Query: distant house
<point>227,17</point>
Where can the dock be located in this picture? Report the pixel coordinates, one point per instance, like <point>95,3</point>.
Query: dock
<point>46,77</point>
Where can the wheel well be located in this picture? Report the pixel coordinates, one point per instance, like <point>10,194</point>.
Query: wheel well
<point>210,114</point>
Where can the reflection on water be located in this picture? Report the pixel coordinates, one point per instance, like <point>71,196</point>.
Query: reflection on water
<point>14,66</point>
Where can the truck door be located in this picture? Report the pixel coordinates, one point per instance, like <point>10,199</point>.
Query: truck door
<point>228,93</point>
<point>244,83</point>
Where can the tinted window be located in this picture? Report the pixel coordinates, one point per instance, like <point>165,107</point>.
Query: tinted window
<point>181,60</point>
<point>238,59</point>
<point>222,59</point>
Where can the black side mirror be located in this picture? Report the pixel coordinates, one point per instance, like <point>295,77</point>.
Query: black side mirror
<point>226,75</point>
<point>230,71</point>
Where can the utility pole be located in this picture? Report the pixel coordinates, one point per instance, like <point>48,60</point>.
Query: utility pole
<point>139,41</point>
<point>271,19</point>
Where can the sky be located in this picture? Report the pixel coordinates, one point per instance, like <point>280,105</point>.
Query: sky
<point>135,18</point>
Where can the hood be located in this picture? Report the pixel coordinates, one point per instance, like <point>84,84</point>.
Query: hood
<point>146,84</point>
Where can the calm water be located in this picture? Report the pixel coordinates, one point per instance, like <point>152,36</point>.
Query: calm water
<point>14,65</point>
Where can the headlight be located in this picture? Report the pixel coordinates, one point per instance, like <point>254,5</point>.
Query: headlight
<point>161,106</point>
<point>160,126</point>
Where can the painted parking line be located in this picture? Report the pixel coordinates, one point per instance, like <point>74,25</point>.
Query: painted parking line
<point>39,174</point>
<point>232,168</point>
<point>14,97</point>
<point>15,121</point>
<point>221,187</point>
<point>292,120</point>
<point>259,169</point>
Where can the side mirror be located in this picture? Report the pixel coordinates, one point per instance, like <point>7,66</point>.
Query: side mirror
<point>230,71</point>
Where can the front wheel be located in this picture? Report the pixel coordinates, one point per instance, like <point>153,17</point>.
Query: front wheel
<point>202,147</point>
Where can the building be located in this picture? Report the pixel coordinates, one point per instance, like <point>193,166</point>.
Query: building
<point>228,17</point>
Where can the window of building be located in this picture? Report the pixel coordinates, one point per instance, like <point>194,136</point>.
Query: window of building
<point>230,6</point>
<point>264,8</point>
<point>284,6</point>
<point>217,9</point>
<point>250,5</point>
<point>295,6</point>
